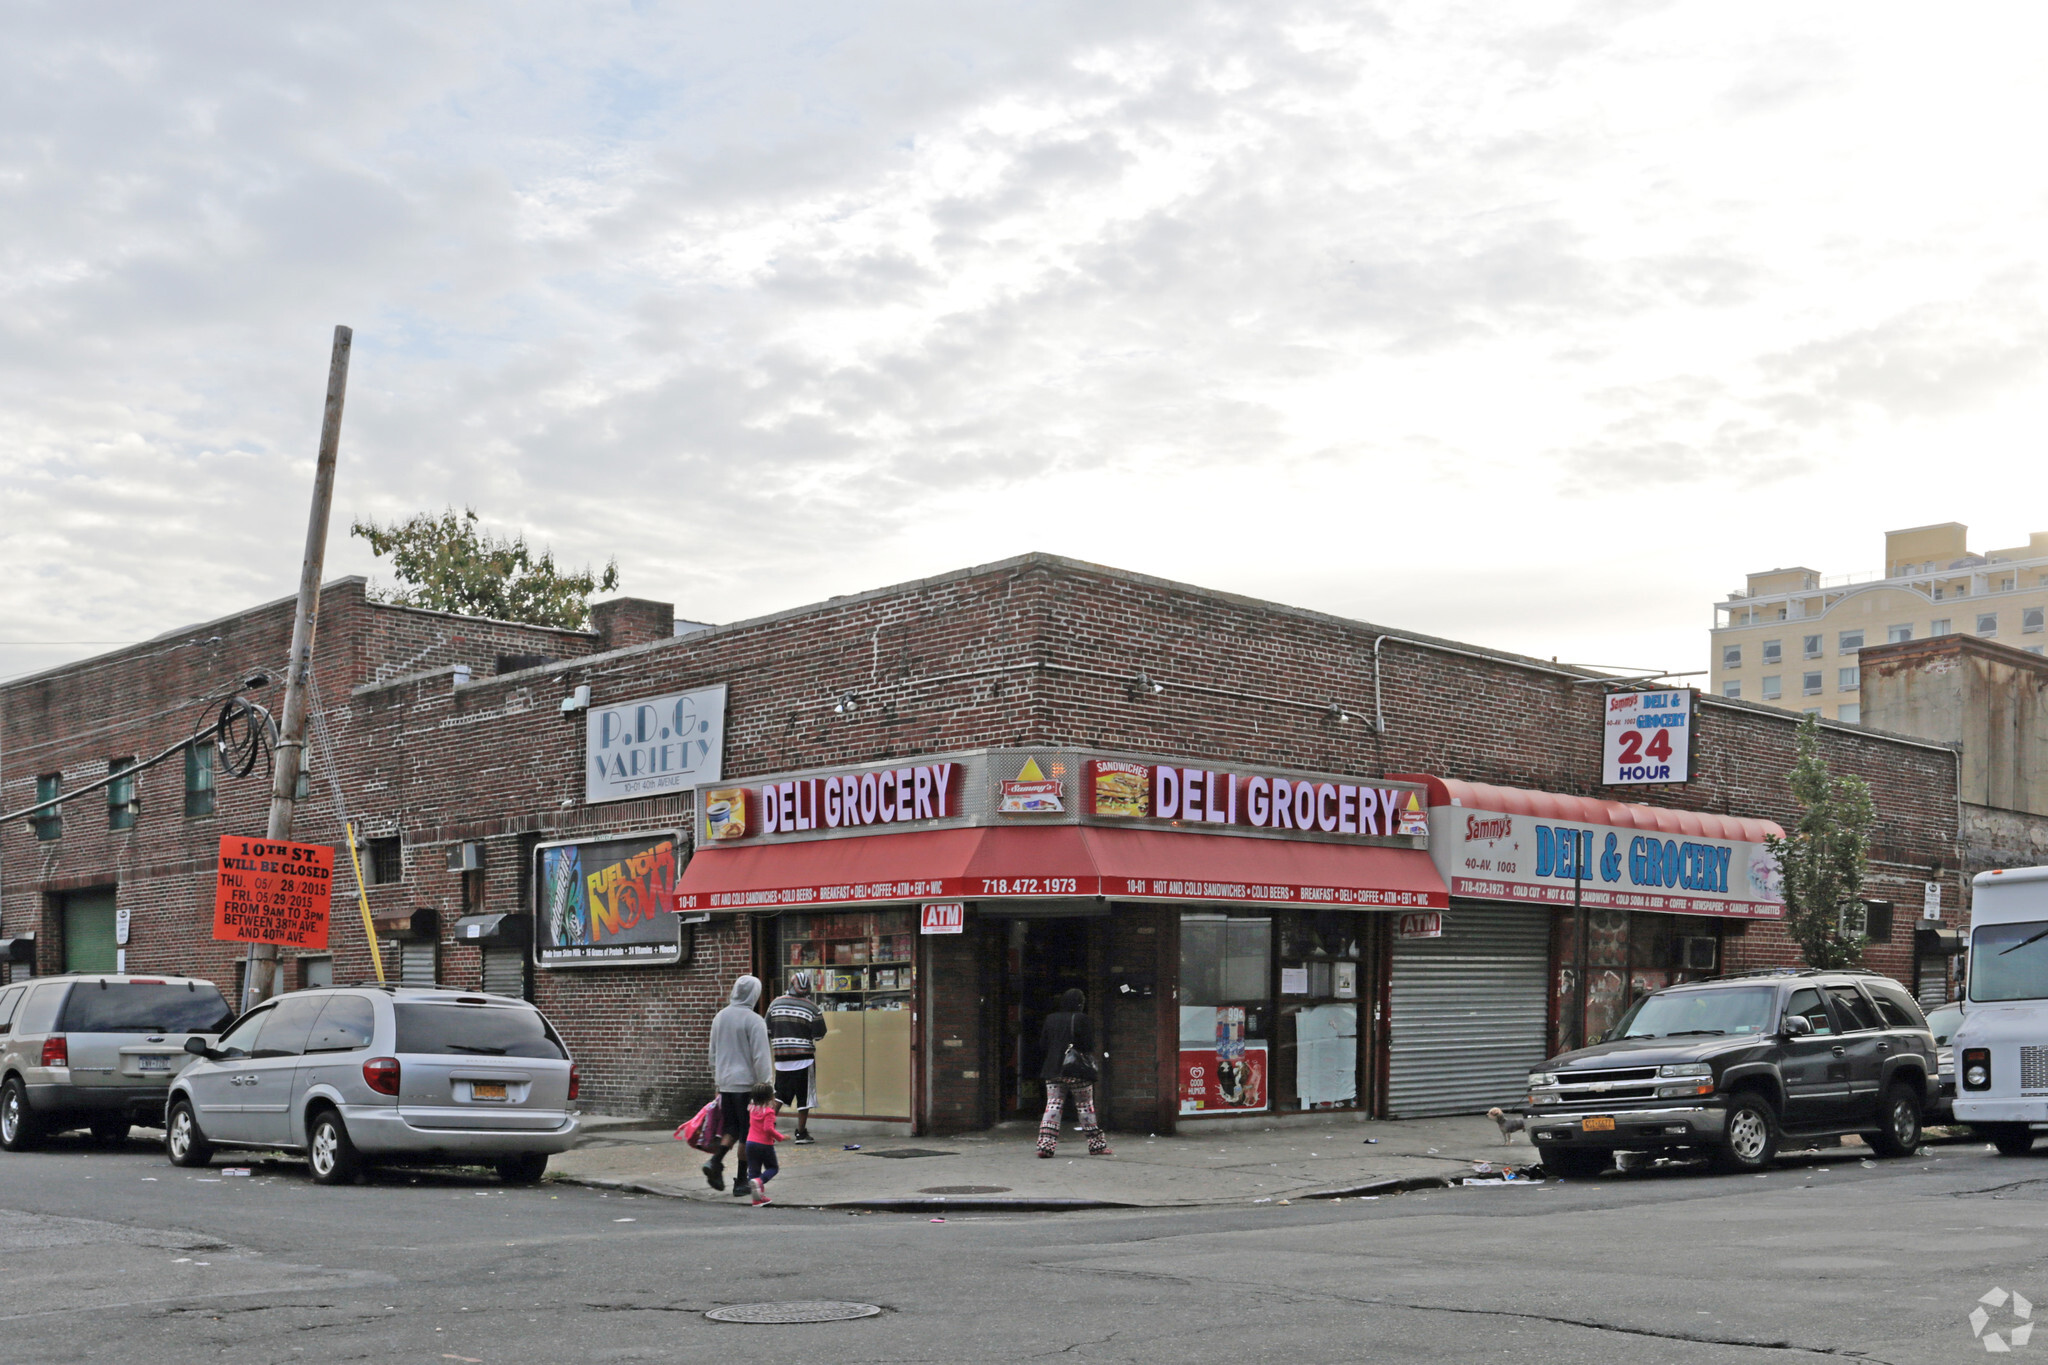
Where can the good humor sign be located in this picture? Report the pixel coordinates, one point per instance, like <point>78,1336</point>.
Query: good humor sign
<point>654,745</point>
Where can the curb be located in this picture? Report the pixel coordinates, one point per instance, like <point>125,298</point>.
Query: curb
<point>1373,1187</point>
<point>981,1203</point>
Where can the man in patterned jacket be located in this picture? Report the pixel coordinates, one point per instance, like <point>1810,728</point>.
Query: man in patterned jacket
<point>795,1024</point>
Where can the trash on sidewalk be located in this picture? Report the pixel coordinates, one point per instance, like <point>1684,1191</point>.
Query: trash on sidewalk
<point>234,1170</point>
<point>1370,1141</point>
<point>851,1147</point>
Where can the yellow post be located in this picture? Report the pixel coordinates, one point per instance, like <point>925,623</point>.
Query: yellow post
<point>363,898</point>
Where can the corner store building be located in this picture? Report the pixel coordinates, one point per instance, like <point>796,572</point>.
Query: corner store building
<point>481,777</point>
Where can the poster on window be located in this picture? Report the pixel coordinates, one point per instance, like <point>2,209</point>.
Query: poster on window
<point>1213,1083</point>
<point>1648,738</point>
<point>607,902</point>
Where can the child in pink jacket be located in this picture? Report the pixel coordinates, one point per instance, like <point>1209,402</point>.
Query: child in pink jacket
<point>759,1163</point>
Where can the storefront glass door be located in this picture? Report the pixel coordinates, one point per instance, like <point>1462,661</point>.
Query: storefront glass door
<point>1045,958</point>
<point>860,963</point>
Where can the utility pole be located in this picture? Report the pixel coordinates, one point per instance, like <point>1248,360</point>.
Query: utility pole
<point>291,742</point>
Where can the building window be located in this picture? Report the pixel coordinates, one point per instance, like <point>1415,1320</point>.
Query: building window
<point>1849,679</point>
<point>121,800</point>
<point>387,860</point>
<point>1987,623</point>
<point>49,824</point>
<point>304,789</point>
<point>199,780</point>
<point>1774,651</point>
<point>1850,712</point>
<point>1810,711</point>
<point>1732,689</point>
<point>1773,687</point>
<point>2037,649</point>
<point>1898,634</point>
<point>1849,641</point>
<point>1809,684</point>
<point>1938,626</point>
<point>1811,646</point>
<point>1731,656</point>
<point>315,972</point>
<point>2030,620</point>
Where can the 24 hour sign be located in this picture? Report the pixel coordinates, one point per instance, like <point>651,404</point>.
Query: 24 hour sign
<point>1648,738</point>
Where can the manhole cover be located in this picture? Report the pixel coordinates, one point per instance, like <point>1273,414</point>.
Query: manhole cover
<point>900,1152</point>
<point>815,1310</point>
<point>967,1189</point>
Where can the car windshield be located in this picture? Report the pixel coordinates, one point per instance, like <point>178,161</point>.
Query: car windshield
<point>477,1030</point>
<point>1943,1022</point>
<point>137,1007</point>
<point>1683,1014</point>
<point>2009,961</point>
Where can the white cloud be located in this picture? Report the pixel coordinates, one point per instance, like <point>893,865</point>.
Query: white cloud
<point>1536,327</point>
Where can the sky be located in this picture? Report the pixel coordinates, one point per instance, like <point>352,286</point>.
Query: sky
<point>1535,326</point>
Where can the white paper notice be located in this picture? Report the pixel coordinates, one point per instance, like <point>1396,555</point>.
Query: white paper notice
<point>1294,980</point>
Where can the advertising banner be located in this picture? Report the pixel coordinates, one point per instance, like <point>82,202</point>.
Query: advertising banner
<point>654,745</point>
<point>607,902</point>
<point>1648,738</point>
<point>273,892</point>
<point>1213,1084</point>
<point>1500,856</point>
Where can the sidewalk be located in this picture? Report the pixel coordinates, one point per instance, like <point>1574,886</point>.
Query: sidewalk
<point>999,1169</point>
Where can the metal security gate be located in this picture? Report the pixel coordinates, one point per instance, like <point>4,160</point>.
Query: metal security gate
<point>416,963</point>
<point>504,972</point>
<point>1467,1019</point>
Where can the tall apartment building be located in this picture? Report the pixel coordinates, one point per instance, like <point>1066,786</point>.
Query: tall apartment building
<point>1791,638</point>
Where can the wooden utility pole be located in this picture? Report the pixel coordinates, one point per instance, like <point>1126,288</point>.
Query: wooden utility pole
<point>291,742</point>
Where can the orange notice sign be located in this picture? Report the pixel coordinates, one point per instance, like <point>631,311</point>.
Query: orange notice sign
<point>273,892</point>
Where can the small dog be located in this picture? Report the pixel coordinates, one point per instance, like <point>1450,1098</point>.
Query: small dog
<point>1509,1126</point>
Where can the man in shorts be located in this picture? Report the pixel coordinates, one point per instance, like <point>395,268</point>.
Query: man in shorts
<point>795,1024</point>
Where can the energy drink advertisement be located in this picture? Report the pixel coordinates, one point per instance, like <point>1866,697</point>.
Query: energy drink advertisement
<point>607,902</point>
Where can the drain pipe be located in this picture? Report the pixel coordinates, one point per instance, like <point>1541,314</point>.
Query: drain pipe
<point>1379,716</point>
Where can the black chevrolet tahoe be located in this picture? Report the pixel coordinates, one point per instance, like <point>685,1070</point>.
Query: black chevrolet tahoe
<point>1734,1065</point>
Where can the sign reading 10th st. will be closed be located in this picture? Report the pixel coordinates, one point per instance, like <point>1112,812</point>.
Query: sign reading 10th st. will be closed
<point>1648,739</point>
<point>654,745</point>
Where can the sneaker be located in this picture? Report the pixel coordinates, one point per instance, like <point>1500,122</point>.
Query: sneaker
<point>1045,1152</point>
<point>714,1175</point>
<point>802,1140</point>
<point>1106,1151</point>
<point>761,1199</point>
<point>742,1188</point>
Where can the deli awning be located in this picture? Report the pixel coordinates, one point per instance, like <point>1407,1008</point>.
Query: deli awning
<point>1055,861</point>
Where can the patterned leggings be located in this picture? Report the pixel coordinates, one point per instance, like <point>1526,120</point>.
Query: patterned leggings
<point>1083,1094</point>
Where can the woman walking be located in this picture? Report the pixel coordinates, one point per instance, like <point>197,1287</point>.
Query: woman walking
<point>1069,1073</point>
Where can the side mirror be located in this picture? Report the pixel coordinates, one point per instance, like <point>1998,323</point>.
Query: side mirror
<point>197,1047</point>
<point>1797,1026</point>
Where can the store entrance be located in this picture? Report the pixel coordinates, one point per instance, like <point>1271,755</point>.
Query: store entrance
<point>1045,958</point>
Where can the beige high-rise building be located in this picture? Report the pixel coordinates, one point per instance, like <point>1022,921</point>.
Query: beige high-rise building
<point>1791,638</point>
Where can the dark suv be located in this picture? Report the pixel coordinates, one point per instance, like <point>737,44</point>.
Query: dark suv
<point>1732,1065</point>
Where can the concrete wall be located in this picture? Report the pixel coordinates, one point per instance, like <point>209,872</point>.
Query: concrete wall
<point>1991,699</point>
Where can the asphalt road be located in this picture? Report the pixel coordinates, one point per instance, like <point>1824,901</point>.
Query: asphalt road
<point>116,1255</point>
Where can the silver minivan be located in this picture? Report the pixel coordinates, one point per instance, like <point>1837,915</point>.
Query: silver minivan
<point>96,1051</point>
<point>351,1075</point>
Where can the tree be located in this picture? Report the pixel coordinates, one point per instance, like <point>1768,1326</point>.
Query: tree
<point>448,563</point>
<point>1822,860</point>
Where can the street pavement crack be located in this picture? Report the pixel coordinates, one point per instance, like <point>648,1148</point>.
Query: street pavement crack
<point>1594,1325</point>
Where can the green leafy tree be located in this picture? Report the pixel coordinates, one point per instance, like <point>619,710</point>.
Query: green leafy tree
<point>449,563</point>
<point>1823,859</point>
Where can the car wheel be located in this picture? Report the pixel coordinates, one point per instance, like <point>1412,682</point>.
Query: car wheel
<point>184,1144</point>
<point>2011,1139</point>
<point>332,1156</point>
<point>524,1169</point>
<point>1574,1162</point>
<point>1752,1136</point>
<point>20,1128</point>
<point>1900,1130</point>
<point>112,1132</point>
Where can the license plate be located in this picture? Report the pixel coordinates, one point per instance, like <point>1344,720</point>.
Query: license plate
<point>1597,1123</point>
<point>495,1090</point>
<point>153,1064</point>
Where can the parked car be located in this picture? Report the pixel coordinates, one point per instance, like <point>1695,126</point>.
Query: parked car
<point>355,1075</point>
<point>1943,1021</point>
<point>96,1052</point>
<point>1731,1066</point>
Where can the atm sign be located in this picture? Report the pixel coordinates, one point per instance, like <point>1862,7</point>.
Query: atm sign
<point>947,918</point>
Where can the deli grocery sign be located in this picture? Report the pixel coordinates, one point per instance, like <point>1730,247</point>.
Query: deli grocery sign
<point>1503,856</point>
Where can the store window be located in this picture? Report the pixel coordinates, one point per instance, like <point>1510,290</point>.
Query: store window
<point>861,972</point>
<point>1226,1013</point>
<point>1315,1063</point>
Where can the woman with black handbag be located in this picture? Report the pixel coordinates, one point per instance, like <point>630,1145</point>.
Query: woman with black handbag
<point>1069,1073</point>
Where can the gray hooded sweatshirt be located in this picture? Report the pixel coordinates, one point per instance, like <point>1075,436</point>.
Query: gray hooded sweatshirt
<point>740,1056</point>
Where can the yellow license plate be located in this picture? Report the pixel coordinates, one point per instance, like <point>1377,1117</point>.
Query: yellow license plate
<point>1597,1123</point>
<point>495,1090</point>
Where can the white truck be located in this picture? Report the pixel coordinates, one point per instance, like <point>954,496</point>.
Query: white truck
<point>2001,1047</point>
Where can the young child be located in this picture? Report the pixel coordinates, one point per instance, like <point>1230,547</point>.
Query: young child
<point>760,1164</point>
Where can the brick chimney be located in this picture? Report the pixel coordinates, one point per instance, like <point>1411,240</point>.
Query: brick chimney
<point>627,621</point>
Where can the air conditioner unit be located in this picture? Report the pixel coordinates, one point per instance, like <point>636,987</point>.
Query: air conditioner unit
<point>1698,954</point>
<point>467,857</point>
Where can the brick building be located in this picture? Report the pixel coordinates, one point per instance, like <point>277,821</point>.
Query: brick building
<point>465,743</point>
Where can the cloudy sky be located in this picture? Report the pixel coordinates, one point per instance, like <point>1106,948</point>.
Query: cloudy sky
<point>1535,325</point>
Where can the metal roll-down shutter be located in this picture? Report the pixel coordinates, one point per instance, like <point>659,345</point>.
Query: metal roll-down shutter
<point>504,971</point>
<point>1468,1014</point>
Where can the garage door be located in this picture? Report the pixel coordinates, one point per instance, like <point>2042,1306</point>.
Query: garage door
<point>1467,1017</point>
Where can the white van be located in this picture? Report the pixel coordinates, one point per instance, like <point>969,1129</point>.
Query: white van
<point>2001,1048</point>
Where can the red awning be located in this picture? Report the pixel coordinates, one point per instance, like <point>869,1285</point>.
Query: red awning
<point>1588,810</point>
<point>1056,861</point>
